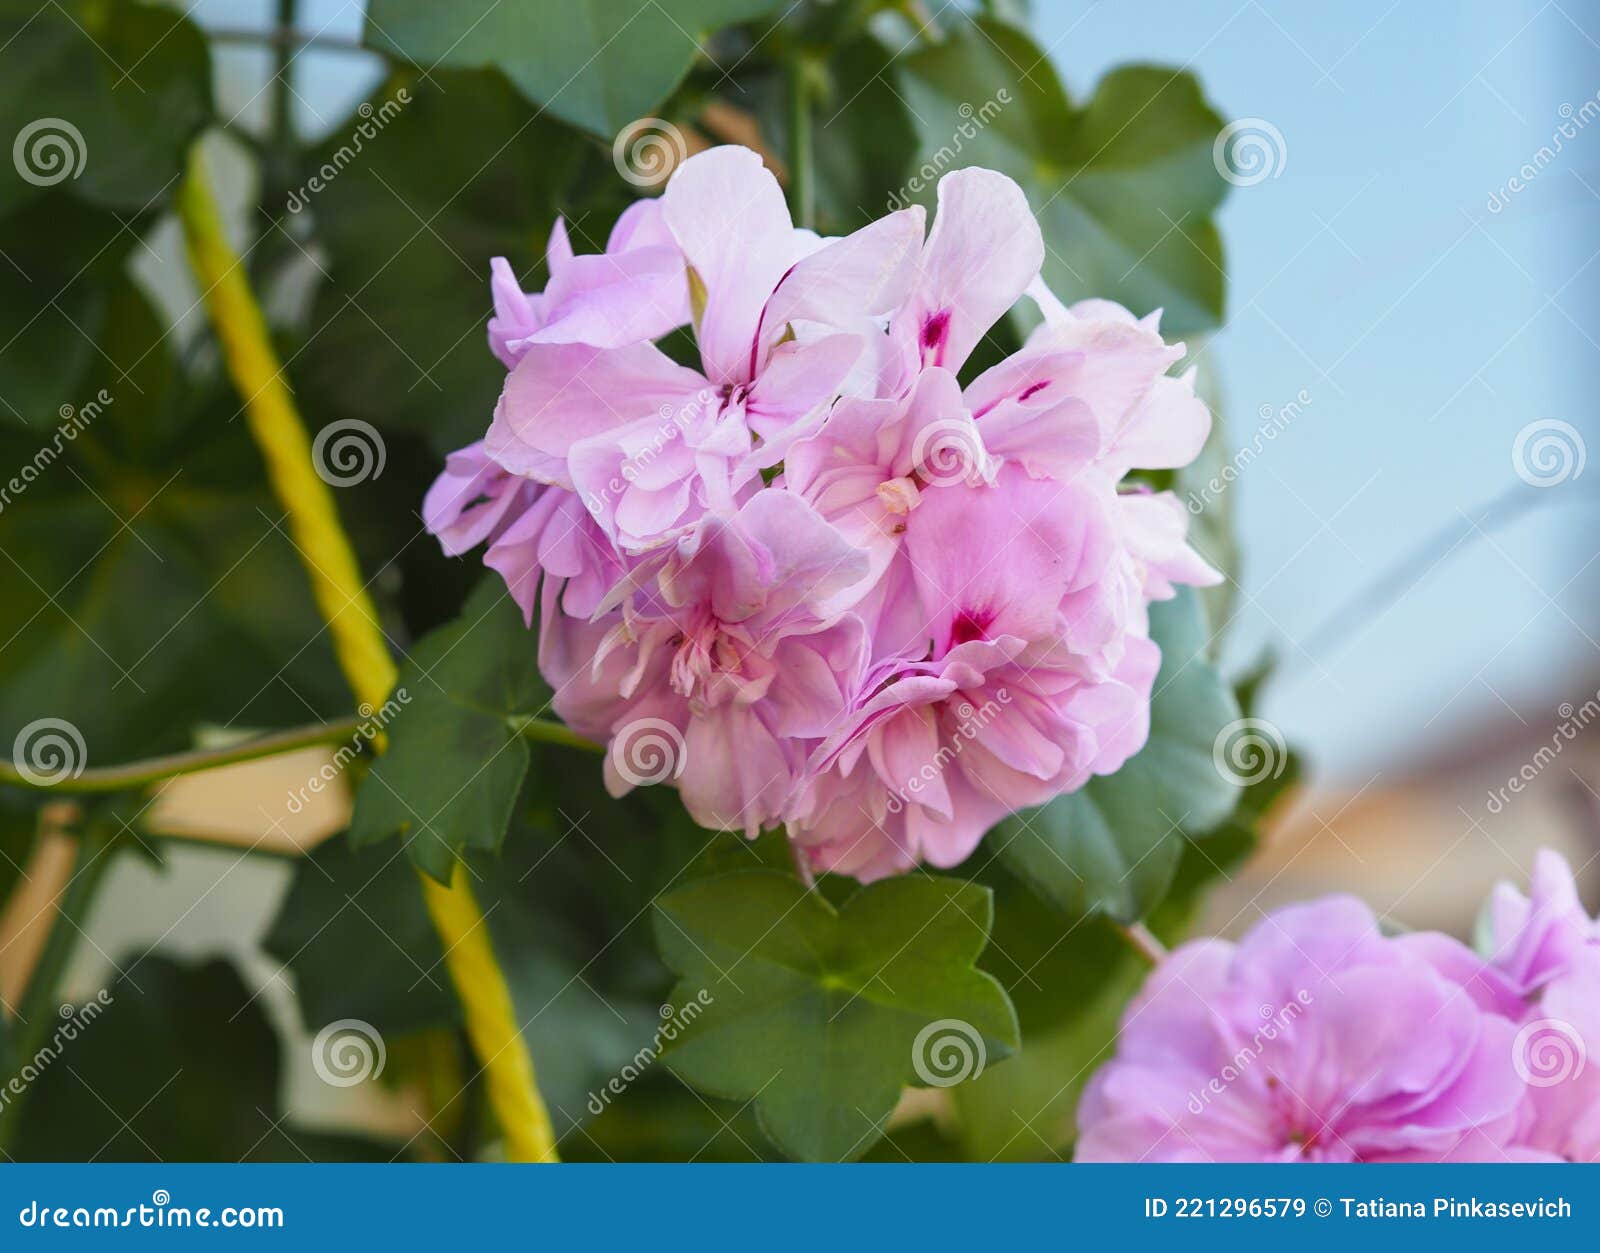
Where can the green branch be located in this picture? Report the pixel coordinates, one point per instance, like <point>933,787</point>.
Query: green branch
<point>140,774</point>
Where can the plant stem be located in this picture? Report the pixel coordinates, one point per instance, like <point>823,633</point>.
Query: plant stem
<point>555,733</point>
<point>802,182</point>
<point>360,646</point>
<point>139,774</point>
<point>1144,943</point>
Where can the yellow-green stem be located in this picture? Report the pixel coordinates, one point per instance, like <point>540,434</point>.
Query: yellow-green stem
<point>359,644</point>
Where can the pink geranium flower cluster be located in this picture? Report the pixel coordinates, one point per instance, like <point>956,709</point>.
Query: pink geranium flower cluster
<point>1318,1038</point>
<point>809,576</point>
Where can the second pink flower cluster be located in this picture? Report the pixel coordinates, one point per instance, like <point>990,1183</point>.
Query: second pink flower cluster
<point>809,576</point>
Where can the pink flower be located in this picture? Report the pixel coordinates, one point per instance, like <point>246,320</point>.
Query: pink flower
<point>635,290</point>
<point>1534,939</point>
<point>650,445</point>
<point>984,708</point>
<point>1315,1038</point>
<point>722,639</point>
<point>835,589</point>
<point>1544,953</point>
<point>530,528</point>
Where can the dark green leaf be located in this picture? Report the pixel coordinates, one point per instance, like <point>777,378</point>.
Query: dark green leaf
<point>1124,186</point>
<point>59,264</point>
<point>1112,846</point>
<point>456,760</point>
<point>356,935</point>
<point>462,172</point>
<point>150,586</point>
<point>599,64</point>
<point>815,1013</point>
<point>109,95</point>
<point>864,137</point>
<point>175,1062</point>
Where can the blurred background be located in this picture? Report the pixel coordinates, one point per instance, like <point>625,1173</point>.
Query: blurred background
<point>1411,314</point>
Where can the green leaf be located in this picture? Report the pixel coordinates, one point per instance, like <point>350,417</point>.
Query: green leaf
<point>456,759</point>
<point>815,1013</point>
<point>410,217</point>
<point>598,64</point>
<point>110,94</point>
<point>150,586</point>
<point>1069,982</point>
<point>354,932</point>
<point>1124,186</point>
<point>60,261</point>
<point>864,137</point>
<point>173,1062</point>
<point>1113,846</point>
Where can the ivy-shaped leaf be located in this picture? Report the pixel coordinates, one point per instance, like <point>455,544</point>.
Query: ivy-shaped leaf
<point>821,1016</point>
<point>1113,846</point>
<point>599,64</point>
<point>101,98</point>
<point>456,758</point>
<point>1124,186</point>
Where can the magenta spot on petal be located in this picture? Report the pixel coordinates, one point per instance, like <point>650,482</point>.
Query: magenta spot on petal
<point>1032,389</point>
<point>969,625</point>
<point>934,331</point>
